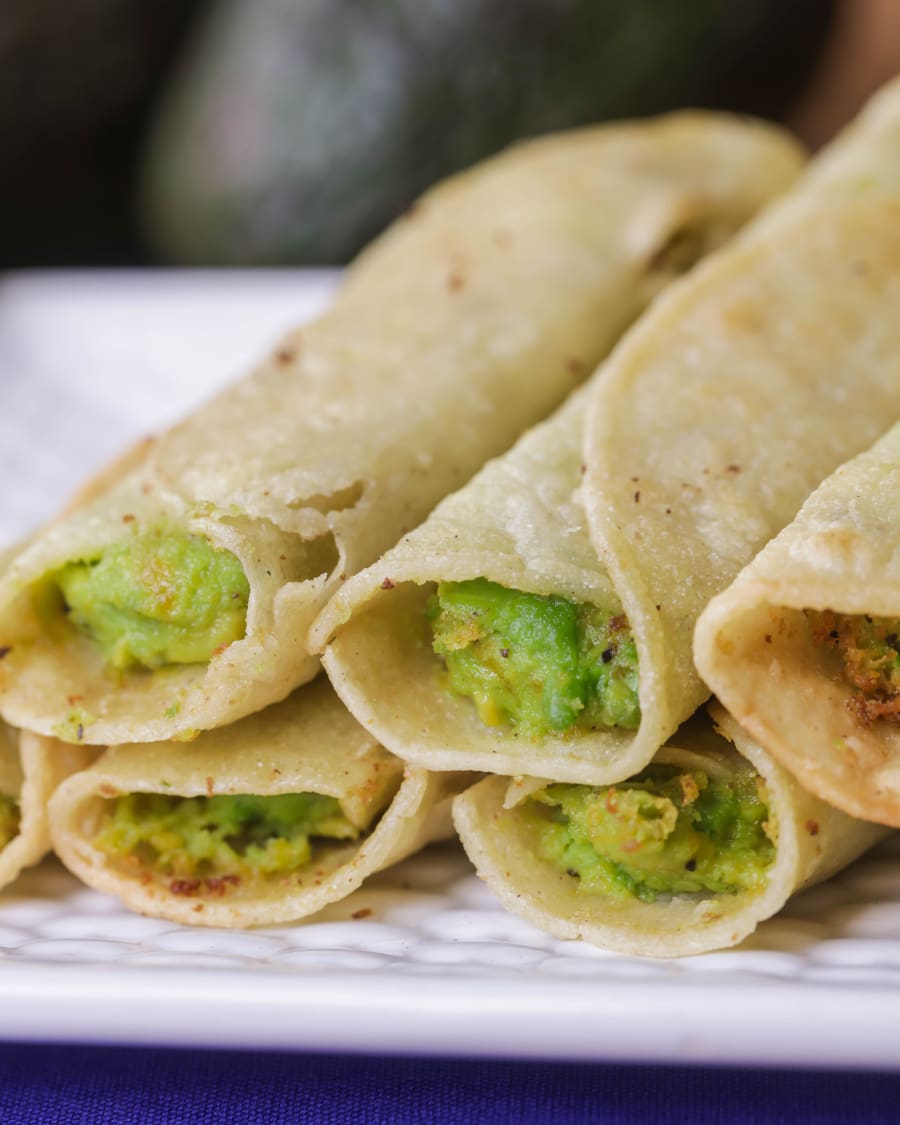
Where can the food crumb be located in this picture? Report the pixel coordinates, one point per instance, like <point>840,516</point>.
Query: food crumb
<point>366,912</point>
<point>387,584</point>
<point>812,827</point>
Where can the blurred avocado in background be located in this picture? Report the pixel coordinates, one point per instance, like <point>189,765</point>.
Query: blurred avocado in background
<point>295,130</point>
<point>78,80</point>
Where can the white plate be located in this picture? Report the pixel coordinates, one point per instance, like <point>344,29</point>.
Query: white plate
<point>430,963</point>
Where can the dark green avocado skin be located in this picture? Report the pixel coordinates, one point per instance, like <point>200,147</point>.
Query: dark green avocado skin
<point>295,130</point>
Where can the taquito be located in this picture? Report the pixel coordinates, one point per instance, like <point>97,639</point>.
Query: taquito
<point>804,646</point>
<point>737,394</point>
<point>31,767</point>
<point>689,856</point>
<point>510,545</point>
<point>180,599</point>
<point>264,821</point>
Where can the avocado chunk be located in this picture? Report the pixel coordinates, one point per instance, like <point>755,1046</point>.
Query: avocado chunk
<point>666,832</point>
<point>293,132</point>
<point>160,597</point>
<point>869,650</point>
<point>209,843</point>
<point>538,663</point>
<point>9,819</point>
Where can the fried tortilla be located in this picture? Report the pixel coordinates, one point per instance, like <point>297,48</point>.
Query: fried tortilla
<point>264,821</point>
<point>803,646</point>
<point>688,857</point>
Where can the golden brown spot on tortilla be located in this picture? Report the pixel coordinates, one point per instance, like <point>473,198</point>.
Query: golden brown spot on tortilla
<point>128,518</point>
<point>184,886</point>
<point>455,281</point>
<point>285,355</point>
<point>768,638</point>
<point>576,366</point>
<point>743,316</point>
<point>812,827</point>
<point>107,790</point>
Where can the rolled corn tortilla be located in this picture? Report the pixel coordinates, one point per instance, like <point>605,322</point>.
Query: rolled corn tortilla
<point>803,646</point>
<point>191,584</point>
<point>607,883</point>
<point>264,821</point>
<point>736,395</point>
<point>31,767</point>
<point>518,524</point>
<point>516,529</point>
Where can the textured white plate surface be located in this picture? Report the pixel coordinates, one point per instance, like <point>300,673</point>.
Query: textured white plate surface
<point>422,959</point>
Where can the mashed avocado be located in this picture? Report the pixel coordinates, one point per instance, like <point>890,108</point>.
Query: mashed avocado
<point>538,663</point>
<point>159,597</point>
<point>664,833</point>
<point>211,842</point>
<point>869,648</point>
<point>9,819</point>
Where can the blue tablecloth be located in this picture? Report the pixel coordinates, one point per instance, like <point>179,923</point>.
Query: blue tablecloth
<point>64,1085</point>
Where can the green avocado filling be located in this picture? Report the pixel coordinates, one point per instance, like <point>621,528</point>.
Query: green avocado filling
<point>9,819</point>
<point>160,597</point>
<point>210,843</point>
<point>869,650</point>
<point>538,663</point>
<point>664,833</point>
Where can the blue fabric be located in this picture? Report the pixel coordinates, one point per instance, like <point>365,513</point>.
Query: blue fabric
<point>132,1086</point>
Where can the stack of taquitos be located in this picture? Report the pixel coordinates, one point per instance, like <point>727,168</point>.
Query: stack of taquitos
<point>706,430</point>
<point>520,278</point>
<point>179,600</point>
